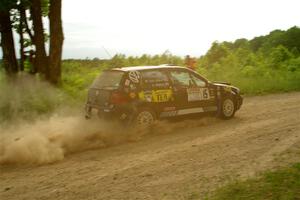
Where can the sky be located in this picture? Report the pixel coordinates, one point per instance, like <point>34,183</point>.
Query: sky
<point>98,28</point>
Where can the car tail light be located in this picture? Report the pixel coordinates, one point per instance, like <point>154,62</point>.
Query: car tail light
<point>118,98</point>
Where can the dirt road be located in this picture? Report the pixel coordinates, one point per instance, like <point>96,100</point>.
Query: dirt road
<point>185,163</point>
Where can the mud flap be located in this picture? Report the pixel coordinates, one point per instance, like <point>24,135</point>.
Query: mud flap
<point>88,112</point>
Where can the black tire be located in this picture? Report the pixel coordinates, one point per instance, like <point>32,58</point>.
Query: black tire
<point>227,108</point>
<point>144,117</point>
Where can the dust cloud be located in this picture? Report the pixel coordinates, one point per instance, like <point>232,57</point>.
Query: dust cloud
<point>49,141</point>
<point>39,124</point>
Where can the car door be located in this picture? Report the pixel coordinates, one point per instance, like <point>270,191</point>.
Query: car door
<point>156,90</point>
<point>181,81</point>
<point>201,94</point>
<point>191,92</point>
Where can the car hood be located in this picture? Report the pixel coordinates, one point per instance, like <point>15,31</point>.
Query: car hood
<point>225,84</point>
<point>221,83</point>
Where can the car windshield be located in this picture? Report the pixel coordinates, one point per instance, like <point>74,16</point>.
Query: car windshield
<point>108,79</point>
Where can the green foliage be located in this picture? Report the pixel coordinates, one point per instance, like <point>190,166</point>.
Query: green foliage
<point>78,75</point>
<point>28,97</point>
<point>120,60</point>
<point>6,5</point>
<point>264,64</point>
<point>45,7</point>
<point>289,39</point>
<point>253,72</point>
<point>280,184</point>
<point>279,54</point>
<point>217,52</point>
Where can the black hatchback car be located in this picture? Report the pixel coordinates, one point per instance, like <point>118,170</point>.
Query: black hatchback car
<point>144,94</point>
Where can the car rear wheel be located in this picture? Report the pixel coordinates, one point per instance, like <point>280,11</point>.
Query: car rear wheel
<point>145,117</point>
<point>227,109</point>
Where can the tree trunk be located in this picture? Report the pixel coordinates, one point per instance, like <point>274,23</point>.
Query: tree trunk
<point>28,31</point>
<point>7,42</point>
<point>21,28</point>
<point>56,41</point>
<point>41,63</point>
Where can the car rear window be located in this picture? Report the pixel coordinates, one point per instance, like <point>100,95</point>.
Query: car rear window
<point>108,79</point>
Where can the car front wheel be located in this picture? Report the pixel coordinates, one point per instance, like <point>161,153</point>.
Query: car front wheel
<point>227,109</point>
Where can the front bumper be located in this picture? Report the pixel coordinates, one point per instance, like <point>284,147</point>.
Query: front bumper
<point>239,102</point>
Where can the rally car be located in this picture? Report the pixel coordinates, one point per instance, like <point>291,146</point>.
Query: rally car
<point>143,94</point>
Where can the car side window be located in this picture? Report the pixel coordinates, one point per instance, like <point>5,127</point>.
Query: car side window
<point>181,78</point>
<point>199,82</point>
<point>154,78</point>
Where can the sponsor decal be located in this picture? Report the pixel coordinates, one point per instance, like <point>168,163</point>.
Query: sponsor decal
<point>197,94</point>
<point>187,111</point>
<point>156,95</point>
<point>169,108</point>
<point>132,95</point>
<point>132,87</point>
<point>210,108</point>
<point>160,85</point>
<point>168,113</point>
<point>134,76</point>
<point>162,95</point>
<point>212,93</point>
<point>146,96</point>
<point>190,111</point>
<point>127,82</point>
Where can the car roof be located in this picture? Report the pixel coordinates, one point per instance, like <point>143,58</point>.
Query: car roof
<point>139,68</point>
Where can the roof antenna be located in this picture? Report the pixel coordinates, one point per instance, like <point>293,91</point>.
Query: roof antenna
<point>109,55</point>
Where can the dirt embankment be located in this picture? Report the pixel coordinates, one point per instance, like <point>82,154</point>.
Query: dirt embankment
<point>177,161</point>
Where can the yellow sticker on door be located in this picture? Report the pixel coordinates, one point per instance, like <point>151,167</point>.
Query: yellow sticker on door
<point>156,95</point>
<point>162,95</point>
<point>197,94</point>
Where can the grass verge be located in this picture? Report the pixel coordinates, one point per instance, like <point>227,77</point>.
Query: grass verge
<point>282,184</point>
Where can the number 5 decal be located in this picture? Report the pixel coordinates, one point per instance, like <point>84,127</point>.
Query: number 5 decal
<point>205,93</point>
<point>197,94</point>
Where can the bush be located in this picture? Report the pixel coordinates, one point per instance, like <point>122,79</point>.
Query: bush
<point>28,97</point>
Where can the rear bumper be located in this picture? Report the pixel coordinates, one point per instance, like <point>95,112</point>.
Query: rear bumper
<point>90,110</point>
<point>121,113</point>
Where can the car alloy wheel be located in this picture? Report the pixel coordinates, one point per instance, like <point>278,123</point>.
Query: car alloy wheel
<point>145,118</point>
<point>228,108</point>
